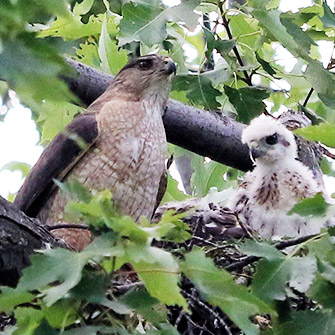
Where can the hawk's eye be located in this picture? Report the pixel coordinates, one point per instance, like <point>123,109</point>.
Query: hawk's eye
<point>145,64</point>
<point>272,139</point>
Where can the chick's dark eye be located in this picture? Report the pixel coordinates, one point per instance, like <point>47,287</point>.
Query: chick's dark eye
<point>145,64</point>
<point>272,139</point>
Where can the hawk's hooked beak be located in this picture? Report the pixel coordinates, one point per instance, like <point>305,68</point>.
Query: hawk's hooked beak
<point>170,66</point>
<point>256,151</point>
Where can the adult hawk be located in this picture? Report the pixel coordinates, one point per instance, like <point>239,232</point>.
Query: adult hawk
<point>276,184</point>
<point>125,149</point>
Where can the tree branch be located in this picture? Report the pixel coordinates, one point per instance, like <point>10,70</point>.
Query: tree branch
<point>206,133</point>
<point>20,236</point>
<point>280,246</point>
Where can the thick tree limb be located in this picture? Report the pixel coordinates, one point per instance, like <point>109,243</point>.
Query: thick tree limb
<point>206,133</point>
<point>19,237</point>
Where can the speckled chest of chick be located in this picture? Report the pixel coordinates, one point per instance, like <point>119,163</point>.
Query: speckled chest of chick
<point>277,183</point>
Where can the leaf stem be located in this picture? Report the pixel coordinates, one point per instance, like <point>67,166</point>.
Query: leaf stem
<point>225,23</point>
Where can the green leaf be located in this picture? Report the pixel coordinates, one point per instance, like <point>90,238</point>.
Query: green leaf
<point>316,206</point>
<point>248,101</point>
<point>146,21</point>
<point>273,274</point>
<point>87,53</point>
<point>54,116</point>
<point>218,288</point>
<point>61,314</point>
<point>199,89</point>
<point>112,59</point>
<point>207,175</point>
<point>265,65</point>
<point>37,78</point>
<point>261,249</point>
<point>303,270</point>
<point>24,168</point>
<point>324,133</point>
<point>300,37</point>
<point>307,323</point>
<point>59,7</point>
<point>327,271</point>
<point>270,279</point>
<point>172,192</point>
<point>210,41</point>
<point>323,249</point>
<point>328,18</point>
<point>54,265</point>
<point>323,292</point>
<point>73,27</point>
<point>45,329</point>
<point>86,330</point>
<point>64,267</point>
<point>270,19</point>
<point>224,46</point>
<point>297,42</point>
<point>322,81</point>
<point>27,320</point>
<point>9,298</point>
<point>179,230</point>
<point>147,306</point>
<point>245,30</point>
<point>91,288</point>
<point>159,272</point>
<point>220,74</point>
<point>75,190</point>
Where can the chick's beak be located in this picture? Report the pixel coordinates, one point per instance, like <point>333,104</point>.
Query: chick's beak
<point>256,151</point>
<point>170,66</point>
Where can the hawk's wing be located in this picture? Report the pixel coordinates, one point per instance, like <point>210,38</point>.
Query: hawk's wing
<point>56,161</point>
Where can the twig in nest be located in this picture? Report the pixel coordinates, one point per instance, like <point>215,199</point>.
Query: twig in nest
<point>209,310</point>
<point>66,226</point>
<point>327,152</point>
<point>121,289</point>
<point>200,239</point>
<point>280,246</point>
<point>203,329</point>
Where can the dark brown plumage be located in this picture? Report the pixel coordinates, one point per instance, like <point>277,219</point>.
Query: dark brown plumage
<point>125,149</point>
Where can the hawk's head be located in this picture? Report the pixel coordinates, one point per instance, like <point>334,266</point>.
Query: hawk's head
<point>269,141</point>
<point>146,75</point>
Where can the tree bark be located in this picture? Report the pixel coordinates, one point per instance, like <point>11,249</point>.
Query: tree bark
<point>206,133</point>
<point>20,235</point>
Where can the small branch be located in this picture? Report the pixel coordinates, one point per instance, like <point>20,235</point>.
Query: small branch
<point>203,329</point>
<point>285,244</point>
<point>200,239</point>
<point>225,23</point>
<point>66,226</point>
<point>280,246</point>
<point>308,97</point>
<point>121,289</point>
<point>209,310</point>
<point>327,153</point>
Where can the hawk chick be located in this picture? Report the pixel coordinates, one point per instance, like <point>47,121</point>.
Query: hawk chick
<point>276,184</point>
<point>125,149</point>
